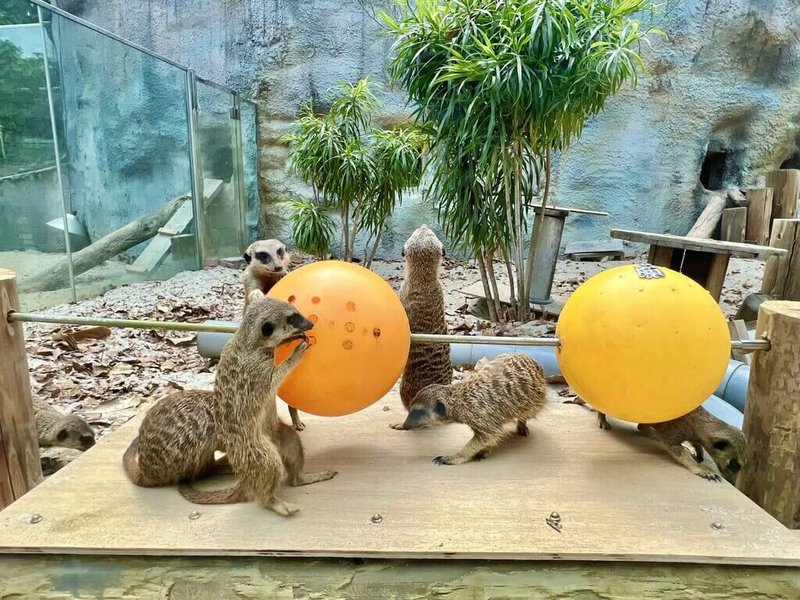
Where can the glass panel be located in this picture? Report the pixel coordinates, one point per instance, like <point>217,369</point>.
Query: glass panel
<point>126,171</point>
<point>249,120</point>
<point>220,211</point>
<point>31,222</point>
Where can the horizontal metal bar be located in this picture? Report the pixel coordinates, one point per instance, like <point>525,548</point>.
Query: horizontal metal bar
<point>416,338</point>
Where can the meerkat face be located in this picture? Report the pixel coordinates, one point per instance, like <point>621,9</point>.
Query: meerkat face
<point>428,407</point>
<point>267,256</point>
<point>728,454</point>
<point>423,244</point>
<point>75,433</point>
<point>269,322</point>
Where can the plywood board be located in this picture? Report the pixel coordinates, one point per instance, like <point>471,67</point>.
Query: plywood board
<point>619,498</point>
<point>699,244</point>
<point>552,309</point>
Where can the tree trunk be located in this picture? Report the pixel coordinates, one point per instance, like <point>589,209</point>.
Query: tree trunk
<point>375,245</point>
<point>538,220</point>
<point>135,232</point>
<point>486,289</point>
<point>498,305</point>
<point>510,269</point>
<point>717,202</point>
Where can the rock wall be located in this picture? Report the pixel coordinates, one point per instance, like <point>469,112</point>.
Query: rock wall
<point>721,102</point>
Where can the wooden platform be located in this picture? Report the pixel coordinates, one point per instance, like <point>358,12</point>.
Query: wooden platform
<point>619,498</point>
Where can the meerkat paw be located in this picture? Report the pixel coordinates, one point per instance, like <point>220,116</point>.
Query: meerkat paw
<point>602,422</point>
<point>298,425</point>
<point>283,508</point>
<point>453,460</point>
<point>398,426</point>
<point>522,429</point>
<point>706,473</point>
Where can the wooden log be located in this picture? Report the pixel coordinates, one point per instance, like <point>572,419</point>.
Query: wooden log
<point>717,202</point>
<point>734,223</point>
<point>769,476</point>
<point>20,469</point>
<point>782,273</point>
<point>786,186</point>
<point>759,216</point>
<point>116,242</point>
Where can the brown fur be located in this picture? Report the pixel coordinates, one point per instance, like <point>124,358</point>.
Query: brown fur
<point>179,435</point>
<point>267,262</point>
<point>510,388</point>
<point>422,296</point>
<point>701,429</point>
<point>66,431</point>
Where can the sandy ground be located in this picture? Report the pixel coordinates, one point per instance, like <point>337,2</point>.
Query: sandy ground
<point>108,379</point>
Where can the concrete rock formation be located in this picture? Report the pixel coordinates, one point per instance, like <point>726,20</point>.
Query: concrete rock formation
<point>719,107</point>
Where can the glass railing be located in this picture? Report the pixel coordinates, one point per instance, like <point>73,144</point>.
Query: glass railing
<point>116,165</point>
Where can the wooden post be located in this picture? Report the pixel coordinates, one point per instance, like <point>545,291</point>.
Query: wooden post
<point>20,469</point>
<point>734,223</point>
<point>786,186</point>
<point>771,472</point>
<point>782,273</point>
<point>759,216</point>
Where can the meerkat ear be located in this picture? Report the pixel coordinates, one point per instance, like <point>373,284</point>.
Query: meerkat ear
<point>440,409</point>
<point>247,258</point>
<point>255,295</point>
<point>62,435</point>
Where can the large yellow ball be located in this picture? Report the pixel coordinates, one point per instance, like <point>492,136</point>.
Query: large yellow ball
<point>358,346</point>
<point>643,348</point>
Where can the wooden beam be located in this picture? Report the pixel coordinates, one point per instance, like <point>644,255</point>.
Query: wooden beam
<point>699,244</point>
<point>20,469</point>
<point>759,216</point>
<point>786,186</point>
<point>771,424</point>
<point>734,224</point>
<point>782,273</point>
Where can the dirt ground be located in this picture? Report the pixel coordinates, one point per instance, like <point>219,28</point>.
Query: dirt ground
<point>107,379</point>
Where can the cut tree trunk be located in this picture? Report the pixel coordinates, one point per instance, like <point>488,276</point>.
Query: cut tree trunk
<point>759,216</point>
<point>734,223</point>
<point>782,273</point>
<point>717,202</point>
<point>786,186</point>
<point>134,233</point>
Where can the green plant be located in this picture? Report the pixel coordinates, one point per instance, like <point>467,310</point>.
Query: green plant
<point>352,166</point>
<point>312,228</point>
<point>502,84</point>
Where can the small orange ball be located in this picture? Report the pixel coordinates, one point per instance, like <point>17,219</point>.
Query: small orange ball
<point>358,346</point>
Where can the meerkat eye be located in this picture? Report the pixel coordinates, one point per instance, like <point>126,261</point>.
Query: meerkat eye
<point>280,252</point>
<point>440,409</point>
<point>247,258</point>
<point>62,435</point>
<point>262,256</point>
<point>721,444</point>
<point>267,329</point>
<point>403,253</point>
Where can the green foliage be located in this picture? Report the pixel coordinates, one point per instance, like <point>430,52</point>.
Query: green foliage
<point>502,84</point>
<point>354,167</point>
<point>17,12</point>
<point>23,93</point>
<point>312,228</point>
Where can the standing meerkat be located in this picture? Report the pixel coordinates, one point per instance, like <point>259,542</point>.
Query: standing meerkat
<point>725,444</point>
<point>66,431</point>
<point>267,263</point>
<point>179,435</point>
<point>422,296</point>
<point>510,388</point>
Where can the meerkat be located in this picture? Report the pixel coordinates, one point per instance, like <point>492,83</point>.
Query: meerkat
<point>702,430</point>
<point>67,431</point>
<point>267,262</point>
<point>422,296</point>
<point>509,388</point>
<point>180,434</point>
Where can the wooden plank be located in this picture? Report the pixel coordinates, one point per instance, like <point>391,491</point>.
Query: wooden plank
<point>660,256</point>
<point>786,186</point>
<point>595,249</point>
<point>771,423</point>
<point>619,496</point>
<point>738,331</point>
<point>716,275</point>
<point>759,216</point>
<point>701,245</point>
<point>577,211</point>
<point>782,273</point>
<point>20,470</point>
<point>734,224</point>
<point>158,248</point>
<point>53,577</point>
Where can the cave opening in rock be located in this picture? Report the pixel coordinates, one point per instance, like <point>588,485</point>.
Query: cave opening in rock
<point>712,173</point>
<point>793,161</point>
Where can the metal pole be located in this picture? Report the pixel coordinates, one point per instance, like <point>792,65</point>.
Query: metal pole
<point>238,168</point>
<point>416,338</point>
<point>195,164</point>
<point>57,150</point>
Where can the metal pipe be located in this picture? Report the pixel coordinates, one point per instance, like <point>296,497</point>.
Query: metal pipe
<point>57,149</point>
<point>229,327</point>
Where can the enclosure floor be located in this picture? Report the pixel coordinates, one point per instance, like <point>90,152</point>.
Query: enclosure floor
<point>618,496</point>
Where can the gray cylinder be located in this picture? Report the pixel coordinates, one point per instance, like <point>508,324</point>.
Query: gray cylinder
<point>724,411</point>
<point>733,387</point>
<point>210,345</point>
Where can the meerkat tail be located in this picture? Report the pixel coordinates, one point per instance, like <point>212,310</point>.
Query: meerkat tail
<point>229,495</point>
<point>130,462</point>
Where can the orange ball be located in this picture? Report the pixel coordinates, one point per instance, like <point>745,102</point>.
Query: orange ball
<point>358,346</point>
